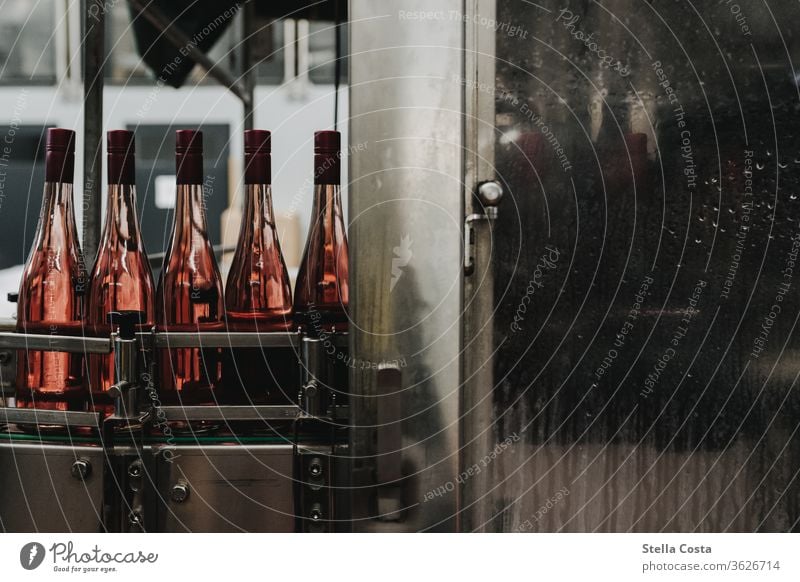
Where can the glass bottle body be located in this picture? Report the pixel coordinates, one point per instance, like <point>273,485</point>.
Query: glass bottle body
<point>51,302</point>
<point>121,281</point>
<point>322,289</point>
<point>257,294</point>
<point>189,299</point>
<point>257,299</point>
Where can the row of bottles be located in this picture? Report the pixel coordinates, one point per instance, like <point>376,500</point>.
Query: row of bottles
<point>58,297</point>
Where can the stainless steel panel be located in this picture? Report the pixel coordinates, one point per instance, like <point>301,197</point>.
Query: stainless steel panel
<point>55,343</point>
<point>633,371</point>
<point>228,413</point>
<point>477,434</point>
<point>48,417</point>
<point>226,488</point>
<point>227,340</point>
<point>39,493</point>
<point>406,217</point>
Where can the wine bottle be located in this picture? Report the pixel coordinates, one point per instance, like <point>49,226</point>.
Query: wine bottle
<point>322,290</point>
<point>52,288</point>
<point>121,279</point>
<point>257,293</point>
<point>189,295</point>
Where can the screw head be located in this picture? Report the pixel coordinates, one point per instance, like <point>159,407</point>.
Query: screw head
<point>316,512</point>
<point>179,492</point>
<point>315,467</point>
<point>135,518</point>
<point>81,469</point>
<point>490,193</point>
<point>135,469</point>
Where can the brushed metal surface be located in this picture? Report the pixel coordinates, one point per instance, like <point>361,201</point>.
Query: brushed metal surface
<point>229,489</point>
<point>405,231</point>
<point>34,416</point>
<point>626,417</point>
<point>40,493</point>
<point>477,411</point>
<point>55,343</point>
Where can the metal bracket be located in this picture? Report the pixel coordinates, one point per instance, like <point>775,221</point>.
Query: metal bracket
<point>490,194</point>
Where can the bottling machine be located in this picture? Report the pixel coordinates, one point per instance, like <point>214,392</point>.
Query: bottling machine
<point>555,324</point>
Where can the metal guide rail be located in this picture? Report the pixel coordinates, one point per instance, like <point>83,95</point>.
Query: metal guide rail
<point>149,467</point>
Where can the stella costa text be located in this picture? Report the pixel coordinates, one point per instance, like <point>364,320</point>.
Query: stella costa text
<point>670,549</point>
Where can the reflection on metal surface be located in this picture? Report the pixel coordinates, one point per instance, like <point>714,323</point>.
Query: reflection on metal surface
<point>408,188</point>
<point>647,371</point>
<point>41,493</point>
<point>227,489</point>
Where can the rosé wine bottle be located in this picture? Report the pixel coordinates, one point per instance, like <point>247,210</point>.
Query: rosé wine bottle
<point>121,279</point>
<point>189,295</point>
<point>257,294</point>
<point>322,291</point>
<point>52,287</point>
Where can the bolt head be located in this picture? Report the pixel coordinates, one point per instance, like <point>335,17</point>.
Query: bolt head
<point>315,468</point>
<point>490,193</point>
<point>81,469</point>
<point>179,492</point>
<point>135,518</point>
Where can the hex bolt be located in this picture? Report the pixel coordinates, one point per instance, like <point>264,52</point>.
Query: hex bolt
<point>315,467</point>
<point>81,469</point>
<point>135,470</point>
<point>135,518</point>
<point>180,492</point>
<point>490,193</point>
<point>316,512</point>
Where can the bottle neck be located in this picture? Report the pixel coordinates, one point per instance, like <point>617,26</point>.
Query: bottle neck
<point>190,216</point>
<point>59,167</point>
<point>57,211</point>
<point>189,168</point>
<point>257,168</point>
<point>258,206</point>
<point>122,222</point>
<point>327,203</point>
<point>327,168</point>
<point>121,169</point>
